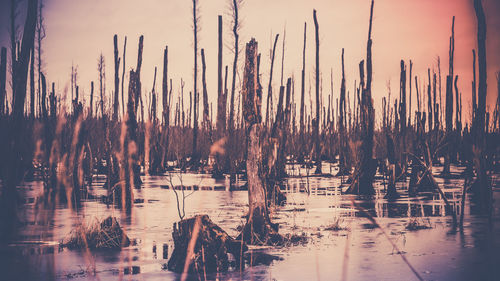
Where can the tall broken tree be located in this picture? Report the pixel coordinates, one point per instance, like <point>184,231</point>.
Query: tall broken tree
<point>258,228</point>
<point>362,182</point>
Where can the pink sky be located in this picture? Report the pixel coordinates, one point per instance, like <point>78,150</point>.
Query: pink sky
<point>78,31</point>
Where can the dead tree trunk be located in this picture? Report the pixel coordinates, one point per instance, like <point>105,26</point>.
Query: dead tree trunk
<point>22,63</point>
<point>44,97</point>
<point>123,74</point>
<point>32,83</point>
<point>16,155</point>
<point>130,161</point>
<point>91,98</point>
<point>449,104</point>
<point>3,79</point>
<point>117,80</point>
<point>194,153</point>
<point>436,105</point>
<point>317,148</point>
<point>474,85</point>
<point>497,114</point>
<point>363,177</point>
<point>166,108</point>
<point>302,101</point>
<point>483,186</point>
<point>221,94</point>
<point>344,167</point>
<point>235,7</point>
<point>206,118</point>
<point>258,228</point>
<point>402,113</point>
<point>269,104</point>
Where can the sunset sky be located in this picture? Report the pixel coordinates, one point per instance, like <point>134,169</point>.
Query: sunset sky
<point>78,31</point>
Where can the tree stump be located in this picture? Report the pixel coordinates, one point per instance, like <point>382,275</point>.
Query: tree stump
<point>202,246</point>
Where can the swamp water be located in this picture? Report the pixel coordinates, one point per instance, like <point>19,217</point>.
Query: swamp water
<point>343,243</point>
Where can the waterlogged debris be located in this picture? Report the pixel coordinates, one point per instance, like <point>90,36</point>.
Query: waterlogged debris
<point>104,235</point>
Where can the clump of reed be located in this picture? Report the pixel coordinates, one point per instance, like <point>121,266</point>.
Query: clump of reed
<point>106,234</point>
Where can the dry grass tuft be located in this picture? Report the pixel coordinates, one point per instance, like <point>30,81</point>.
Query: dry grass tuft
<point>98,235</point>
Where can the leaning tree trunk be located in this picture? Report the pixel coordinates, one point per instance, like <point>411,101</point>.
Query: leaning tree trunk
<point>269,104</point>
<point>258,228</point>
<point>14,149</point>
